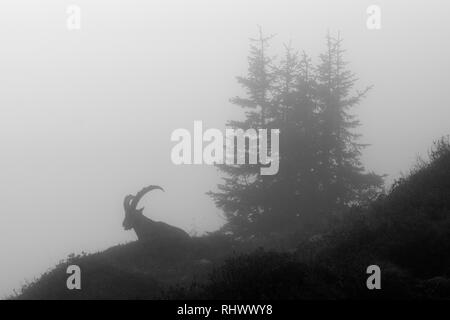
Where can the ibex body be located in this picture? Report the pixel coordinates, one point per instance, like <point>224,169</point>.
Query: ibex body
<point>146,229</point>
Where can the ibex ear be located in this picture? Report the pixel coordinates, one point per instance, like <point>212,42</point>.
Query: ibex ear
<point>140,211</point>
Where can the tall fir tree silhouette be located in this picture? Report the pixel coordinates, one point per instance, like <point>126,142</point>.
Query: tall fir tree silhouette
<point>320,171</point>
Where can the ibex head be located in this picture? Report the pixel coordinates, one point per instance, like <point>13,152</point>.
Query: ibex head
<point>130,203</point>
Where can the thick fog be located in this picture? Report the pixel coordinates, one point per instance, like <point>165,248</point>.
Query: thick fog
<point>86,115</point>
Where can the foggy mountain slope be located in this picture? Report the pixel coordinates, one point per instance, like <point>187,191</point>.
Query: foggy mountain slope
<point>131,271</point>
<point>88,115</point>
<point>406,233</point>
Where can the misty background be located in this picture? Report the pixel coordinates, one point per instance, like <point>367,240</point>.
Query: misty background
<point>86,116</point>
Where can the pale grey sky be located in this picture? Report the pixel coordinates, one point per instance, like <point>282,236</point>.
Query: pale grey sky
<point>86,116</point>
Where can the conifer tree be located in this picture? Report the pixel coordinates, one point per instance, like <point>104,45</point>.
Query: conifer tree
<point>320,171</point>
<point>342,173</point>
<point>243,195</point>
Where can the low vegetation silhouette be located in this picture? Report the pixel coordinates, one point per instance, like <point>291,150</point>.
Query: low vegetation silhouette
<point>406,232</point>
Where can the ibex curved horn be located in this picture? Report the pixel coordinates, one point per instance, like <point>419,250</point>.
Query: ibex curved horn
<point>126,201</point>
<point>146,229</point>
<point>140,194</point>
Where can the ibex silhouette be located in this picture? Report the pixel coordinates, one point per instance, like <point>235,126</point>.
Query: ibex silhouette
<point>146,229</point>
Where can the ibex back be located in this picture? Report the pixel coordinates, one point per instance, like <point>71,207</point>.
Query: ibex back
<point>146,229</point>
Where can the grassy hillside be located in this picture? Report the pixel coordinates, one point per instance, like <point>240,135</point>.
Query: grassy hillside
<point>406,233</point>
<point>132,271</point>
